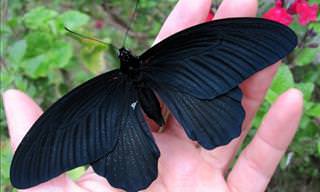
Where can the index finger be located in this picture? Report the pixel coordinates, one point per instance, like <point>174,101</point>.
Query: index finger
<point>185,14</point>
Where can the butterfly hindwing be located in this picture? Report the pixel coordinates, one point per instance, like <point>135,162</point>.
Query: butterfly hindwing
<point>133,164</point>
<point>213,122</point>
<point>210,59</point>
<point>79,128</point>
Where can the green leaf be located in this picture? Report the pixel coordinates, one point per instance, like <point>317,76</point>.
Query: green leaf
<point>60,55</point>
<point>318,148</point>
<point>12,23</point>
<point>6,79</point>
<point>80,76</point>
<point>286,160</point>
<point>282,81</point>
<point>6,158</point>
<point>76,173</point>
<point>93,58</point>
<point>39,17</point>
<point>55,77</point>
<point>44,52</point>
<point>305,121</point>
<point>17,51</point>
<point>315,26</point>
<point>314,1</point>
<point>297,28</point>
<point>73,19</point>
<point>36,67</point>
<point>5,29</point>
<point>271,96</point>
<point>21,83</point>
<point>314,110</point>
<point>38,43</point>
<point>306,56</point>
<point>260,114</point>
<point>307,89</point>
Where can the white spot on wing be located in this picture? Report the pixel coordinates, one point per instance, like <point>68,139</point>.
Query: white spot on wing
<point>133,105</point>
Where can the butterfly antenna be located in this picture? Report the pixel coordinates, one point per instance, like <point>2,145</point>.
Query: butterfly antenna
<point>130,23</point>
<point>89,38</point>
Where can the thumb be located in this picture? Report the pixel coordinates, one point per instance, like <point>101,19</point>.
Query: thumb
<point>21,112</point>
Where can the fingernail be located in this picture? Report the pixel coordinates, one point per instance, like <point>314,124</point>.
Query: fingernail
<point>294,92</point>
<point>5,97</point>
<point>293,97</point>
<point>6,94</point>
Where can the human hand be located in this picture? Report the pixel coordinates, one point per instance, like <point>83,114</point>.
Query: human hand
<point>183,166</point>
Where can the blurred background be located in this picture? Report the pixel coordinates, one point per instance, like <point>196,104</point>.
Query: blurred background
<point>40,58</point>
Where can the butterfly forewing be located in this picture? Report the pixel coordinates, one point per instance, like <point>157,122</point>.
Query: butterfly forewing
<point>210,59</point>
<point>79,128</point>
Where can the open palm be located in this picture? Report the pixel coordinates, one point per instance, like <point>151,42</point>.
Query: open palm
<point>183,165</point>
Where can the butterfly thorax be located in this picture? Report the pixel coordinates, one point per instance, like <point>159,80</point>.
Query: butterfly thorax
<point>129,64</point>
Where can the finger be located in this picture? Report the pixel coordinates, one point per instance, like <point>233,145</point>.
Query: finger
<point>185,14</point>
<point>260,158</point>
<point>221,156</point>
<point>254,90</point>
<point>237,8</point>
<point>95,183</point>
<point>21,112</point>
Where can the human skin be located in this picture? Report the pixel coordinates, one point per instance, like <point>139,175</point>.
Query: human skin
<point>183,165</point>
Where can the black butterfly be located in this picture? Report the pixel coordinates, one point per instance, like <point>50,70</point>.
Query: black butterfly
<point>195,72</point>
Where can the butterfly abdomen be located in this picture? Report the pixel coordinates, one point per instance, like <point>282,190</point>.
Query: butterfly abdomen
<point>150,104</point>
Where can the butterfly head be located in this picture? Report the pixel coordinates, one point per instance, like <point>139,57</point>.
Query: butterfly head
<point>125,55</point>
<point>128,62</point>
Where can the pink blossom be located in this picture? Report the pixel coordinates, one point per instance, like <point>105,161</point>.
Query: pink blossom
<point>210,16</point>
<point>99,24</point>
<point>293,7</point>
<point>306,13</point>
<point>279,14</point>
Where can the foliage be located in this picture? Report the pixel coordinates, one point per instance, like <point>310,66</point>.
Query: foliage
<point>39,57</point>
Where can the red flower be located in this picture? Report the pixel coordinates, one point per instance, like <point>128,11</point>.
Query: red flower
<point>293,7</point>
<point>306,12</point>
<point>279,14</point>
<point>99,24</point>
<point>210,15</point>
